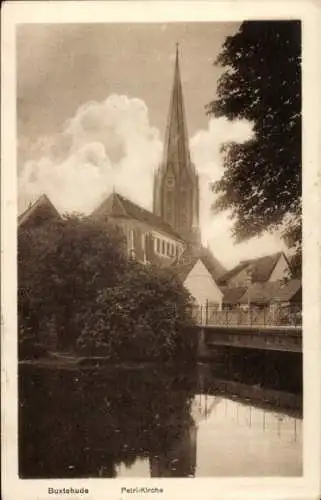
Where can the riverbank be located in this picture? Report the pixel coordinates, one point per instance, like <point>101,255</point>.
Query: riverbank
<point>269,399</point>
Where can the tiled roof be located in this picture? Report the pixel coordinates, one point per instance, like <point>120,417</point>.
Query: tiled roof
<point>42,209</point>
<point>117,205</point>
<point>271,291</point>
<point>288,290</point>
<point>260,269</point>
<point>194,253</point>
<point>233,295</point>
<point>215,267</point>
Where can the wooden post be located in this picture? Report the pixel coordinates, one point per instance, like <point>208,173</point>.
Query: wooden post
<point>206,312</point>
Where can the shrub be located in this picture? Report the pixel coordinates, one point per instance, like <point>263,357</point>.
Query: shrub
<point>79,292</point>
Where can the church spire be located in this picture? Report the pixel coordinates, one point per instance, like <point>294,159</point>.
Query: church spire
<point>176,148</point>
<point>176,192</point>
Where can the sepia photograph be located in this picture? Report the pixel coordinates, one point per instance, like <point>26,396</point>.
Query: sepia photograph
<point>149,343</point>
<point>159,251</point>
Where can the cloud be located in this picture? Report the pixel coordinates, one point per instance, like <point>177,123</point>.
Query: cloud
<point>207,157</point>
<point>111,144</point>
<point>104,145</point>
<point>216,230</point>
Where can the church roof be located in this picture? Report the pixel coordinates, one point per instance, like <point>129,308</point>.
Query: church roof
<point>39,211</point>
<point>117,205</point>
<point>260,268</point>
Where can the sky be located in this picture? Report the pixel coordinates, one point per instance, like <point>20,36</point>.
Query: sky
<point>92,106</point>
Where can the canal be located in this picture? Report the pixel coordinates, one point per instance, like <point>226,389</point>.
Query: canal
<point>148,420</point>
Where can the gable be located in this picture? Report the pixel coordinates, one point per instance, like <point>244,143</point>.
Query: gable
<point>260,269</point>
<point>38,213</point>
<point>281,269</point>
<point>112,207</point>
<point>201,284</point>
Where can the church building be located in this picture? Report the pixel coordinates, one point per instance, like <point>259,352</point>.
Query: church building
<point>170,235</point>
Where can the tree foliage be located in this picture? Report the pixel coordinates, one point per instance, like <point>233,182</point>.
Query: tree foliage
<point>261,184</point>
<point>79,292</point>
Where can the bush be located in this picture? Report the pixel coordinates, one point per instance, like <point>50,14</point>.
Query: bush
<point>78,292</point>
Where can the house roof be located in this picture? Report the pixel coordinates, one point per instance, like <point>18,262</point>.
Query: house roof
<point>193,252</point>
<point>214,266</point>
<point>42,209</point>
<point>117,205</point>
<point>189,258</point>
<point>287,290</point>
<point>233,295</point>
<point>260,268</point>
<point>271,291</point>
<point>184,269</point>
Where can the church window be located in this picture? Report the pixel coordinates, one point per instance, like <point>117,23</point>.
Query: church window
<point>163,247</point>
<point>131,239</point>
<point>167,249</point>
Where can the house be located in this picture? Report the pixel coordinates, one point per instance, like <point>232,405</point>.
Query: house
<point>268,268</point>
<point>232,296</point>
<point>200,281</point>
<point>274,294</point>
<point>42,210</point>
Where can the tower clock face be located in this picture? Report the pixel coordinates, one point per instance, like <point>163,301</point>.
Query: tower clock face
<point>169,182</point>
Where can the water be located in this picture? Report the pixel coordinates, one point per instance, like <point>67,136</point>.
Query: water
<point>148,422</point>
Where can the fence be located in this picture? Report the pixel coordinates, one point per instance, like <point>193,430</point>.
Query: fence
<point>279,316</point>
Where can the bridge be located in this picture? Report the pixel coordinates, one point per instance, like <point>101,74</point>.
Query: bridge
<point>262,329</point>
<point>280,338</point>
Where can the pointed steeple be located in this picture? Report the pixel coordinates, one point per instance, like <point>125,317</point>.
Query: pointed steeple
<point>176,148</point>
<point>176,191</point>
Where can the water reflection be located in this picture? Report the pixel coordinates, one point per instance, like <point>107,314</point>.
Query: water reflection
<point>147,422</point>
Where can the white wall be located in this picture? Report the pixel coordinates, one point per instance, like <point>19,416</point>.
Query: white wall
<point>281,269</point>
<point>202,286</point>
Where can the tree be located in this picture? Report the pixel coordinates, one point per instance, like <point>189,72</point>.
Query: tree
<point>142,317</point>
<point>78,292</point>
<point>61,265</point>
<point>261,184</point>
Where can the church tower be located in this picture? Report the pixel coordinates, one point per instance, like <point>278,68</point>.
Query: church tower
<point>176,188</point>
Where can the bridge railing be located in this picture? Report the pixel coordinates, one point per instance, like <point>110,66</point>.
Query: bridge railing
<point>280,316</point>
